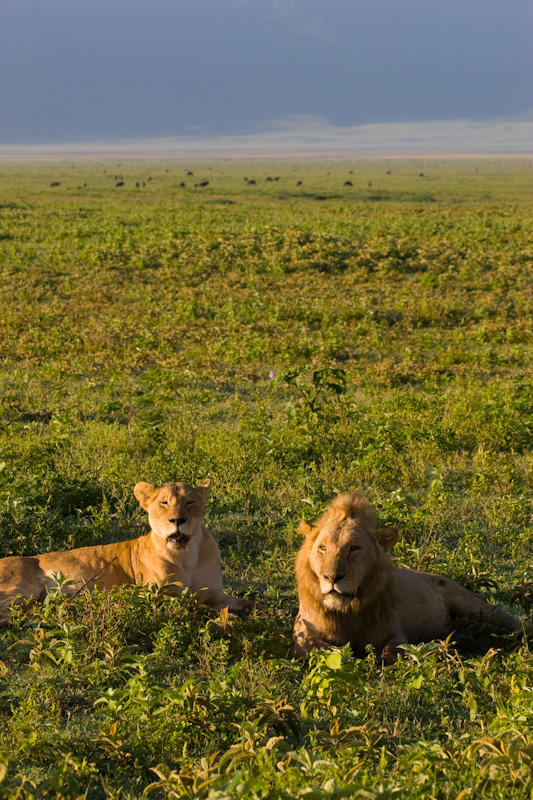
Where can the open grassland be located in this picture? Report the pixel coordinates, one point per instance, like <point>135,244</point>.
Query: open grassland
<point>289,342</point>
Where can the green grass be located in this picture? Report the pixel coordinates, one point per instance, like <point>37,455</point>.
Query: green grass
<point>139,330</point>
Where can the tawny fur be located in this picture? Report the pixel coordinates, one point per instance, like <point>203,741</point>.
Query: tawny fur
<point>179,550</point>
<point>351,593</point>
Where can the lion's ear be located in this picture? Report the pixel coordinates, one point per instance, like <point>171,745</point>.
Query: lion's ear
<point>144,492</point>
<point>387,537</point>
<point>305,529</point>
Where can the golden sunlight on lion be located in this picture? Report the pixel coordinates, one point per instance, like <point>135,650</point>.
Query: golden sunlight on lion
<point>179,550</point>
<point>350,592</point>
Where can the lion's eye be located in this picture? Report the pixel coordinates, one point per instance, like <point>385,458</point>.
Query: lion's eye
<point>164,502</point>
<point>322,548</point>
<point>354,548</point>
<point>189,503</point>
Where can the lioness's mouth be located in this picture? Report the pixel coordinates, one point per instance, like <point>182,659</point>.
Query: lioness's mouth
<point>179,539</point>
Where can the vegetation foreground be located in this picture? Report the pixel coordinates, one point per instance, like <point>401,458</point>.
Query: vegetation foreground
<point>291,330</point>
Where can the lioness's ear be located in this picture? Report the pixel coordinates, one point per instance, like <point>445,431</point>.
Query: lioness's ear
<point>144,493</point>
<point>205,484</point>
<point>387,537</point>
<point>305,529</point>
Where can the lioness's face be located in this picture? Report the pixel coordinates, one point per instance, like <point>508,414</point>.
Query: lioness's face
<point>342,555</point>
<point>175,510</point>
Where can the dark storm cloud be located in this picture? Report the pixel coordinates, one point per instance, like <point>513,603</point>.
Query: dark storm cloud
<point>80,69</point>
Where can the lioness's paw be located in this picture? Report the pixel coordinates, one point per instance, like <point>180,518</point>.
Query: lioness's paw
<point>247,605</point>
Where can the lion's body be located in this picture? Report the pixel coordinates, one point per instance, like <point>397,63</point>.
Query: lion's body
<point>179,550</point>
<point>350,592</point>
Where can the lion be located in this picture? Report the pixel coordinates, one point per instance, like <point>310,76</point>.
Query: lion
<point>351,593</point>
<point>179,551</point>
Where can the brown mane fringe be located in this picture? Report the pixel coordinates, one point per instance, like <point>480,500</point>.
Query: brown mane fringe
<point>350,504</point>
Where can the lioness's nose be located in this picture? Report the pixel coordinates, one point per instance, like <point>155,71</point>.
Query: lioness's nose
<point>179,521</point>
<point>335,578</point>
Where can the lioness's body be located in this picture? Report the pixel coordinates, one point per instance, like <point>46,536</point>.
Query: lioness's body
<point>350,592</point>
<point>178,549</point>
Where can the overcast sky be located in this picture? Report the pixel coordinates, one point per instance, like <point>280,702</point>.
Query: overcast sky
<point>81,70</point>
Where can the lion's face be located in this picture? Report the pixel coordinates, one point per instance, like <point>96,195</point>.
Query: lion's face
<point>345,550</point>
<point>341,557</point>
<point>175,510</point>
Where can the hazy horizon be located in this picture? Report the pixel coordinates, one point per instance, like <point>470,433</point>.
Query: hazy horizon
<point>313,136</point>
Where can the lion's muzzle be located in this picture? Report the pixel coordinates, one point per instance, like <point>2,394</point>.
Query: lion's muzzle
<point>178,540</point>
<point>341,592</point>
<point>336,600</point>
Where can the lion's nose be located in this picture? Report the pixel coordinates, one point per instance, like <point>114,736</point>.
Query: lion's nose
<point>179,521</point>
<point>335,578</point>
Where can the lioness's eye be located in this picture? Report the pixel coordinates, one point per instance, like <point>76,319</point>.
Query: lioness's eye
<point>189,503</point>
<point>164,502</point>
<point>322,548</point>
<point>354,548</point>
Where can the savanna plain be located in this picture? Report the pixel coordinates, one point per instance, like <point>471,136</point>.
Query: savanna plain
<point>291,329</point>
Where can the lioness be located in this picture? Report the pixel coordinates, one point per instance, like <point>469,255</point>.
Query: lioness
<point>179,548</point>
<point>350,592</point>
